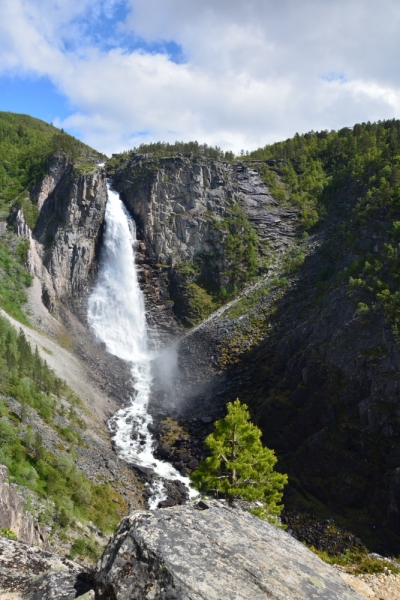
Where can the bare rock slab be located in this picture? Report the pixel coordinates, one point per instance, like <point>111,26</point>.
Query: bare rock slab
<point>184,553</point>
<point>38,573</point>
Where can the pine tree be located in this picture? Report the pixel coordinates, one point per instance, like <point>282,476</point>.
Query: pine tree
<point>239,466</point>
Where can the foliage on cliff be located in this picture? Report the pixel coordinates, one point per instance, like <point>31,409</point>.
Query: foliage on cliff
<point>14,279</point>
<point>362,163</point>
<point>240,247</point>
<point>186,148</point>
<point>239,466</point>
<point>323,381</point>
<point>27,378</point>
<point>25,146</point>
<point>317,166</point>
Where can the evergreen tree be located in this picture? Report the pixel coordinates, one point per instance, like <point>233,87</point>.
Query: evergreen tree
<point>239,465</point>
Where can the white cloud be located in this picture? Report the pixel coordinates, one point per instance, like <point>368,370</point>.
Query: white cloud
<point>254,71</point>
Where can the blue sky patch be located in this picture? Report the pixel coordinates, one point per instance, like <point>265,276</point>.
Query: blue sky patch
<point>332,76</point>
<point>106,31</point>
<point>36,97</point>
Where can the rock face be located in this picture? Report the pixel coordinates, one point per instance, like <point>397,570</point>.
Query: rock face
<point>64,241</point>
<point>39,574</point>
<point>185,553</point>
<point>12,514</point>
<point>321,380</point>
<point>185,210</point>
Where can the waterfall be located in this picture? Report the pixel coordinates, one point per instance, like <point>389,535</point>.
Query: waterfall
<point>116,314</point>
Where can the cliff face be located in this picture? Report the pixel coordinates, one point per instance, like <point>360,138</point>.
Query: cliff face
<point>202,225</point>
<point>317,360</point>
<point>13,517</point>
<point>70,207</point>
<point>319,374</point>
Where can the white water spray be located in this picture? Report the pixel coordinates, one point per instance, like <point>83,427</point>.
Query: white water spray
<point>116,314</point>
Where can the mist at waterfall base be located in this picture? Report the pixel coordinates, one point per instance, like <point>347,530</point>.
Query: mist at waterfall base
<point>116,314</point>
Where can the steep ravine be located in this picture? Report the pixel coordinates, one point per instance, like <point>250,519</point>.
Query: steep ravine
<point>321,378</point>
<point>316,374</point>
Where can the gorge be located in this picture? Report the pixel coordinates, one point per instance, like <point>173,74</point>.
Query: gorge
<point>202,278</point>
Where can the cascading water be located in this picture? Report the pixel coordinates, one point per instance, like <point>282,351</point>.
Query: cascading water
<point>116,313</point>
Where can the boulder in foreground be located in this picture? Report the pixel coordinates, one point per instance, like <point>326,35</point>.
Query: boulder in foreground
<point>218,553</point>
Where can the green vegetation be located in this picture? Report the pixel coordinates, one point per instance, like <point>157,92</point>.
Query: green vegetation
<point>357,562</point>
<point>241,248</point>
<point>27,378</point>
<point>317,166</point>
<point>24,375</point>
<point>86,548</point>
<point>358,170</point>
<point>158,150</point>
<point>239,466</point>
<point>25,147</point>
<point>5,532</point>
<point>199,291</point>
<point>14,278</point>
<point>161,149</point>
<point>248,302</point>
<point>274,183</point>
<point>198,304</point>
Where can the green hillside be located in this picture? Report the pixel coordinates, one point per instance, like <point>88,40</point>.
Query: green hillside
<point>25,146</point>
<point>316,166</point>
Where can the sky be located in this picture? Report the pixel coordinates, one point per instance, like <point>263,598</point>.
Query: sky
<point>239,74</point>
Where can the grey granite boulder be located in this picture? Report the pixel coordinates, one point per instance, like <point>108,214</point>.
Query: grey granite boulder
<point>184,553</point>
<point>58,585</point>
<point>39,574</point>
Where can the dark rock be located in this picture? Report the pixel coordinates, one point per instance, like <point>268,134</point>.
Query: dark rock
<point>176,491</point>
<point>193,464</point>
<point>146,471</point>
<point>185,457</point>
<point>166,503</point>
<point>206,419</point>
<point>164,451</point>
<point>203,505</point>
<point>217,554</point>
<point>153,428</point>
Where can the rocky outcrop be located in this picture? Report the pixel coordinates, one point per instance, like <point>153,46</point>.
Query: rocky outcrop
<point>64,241</point>
<point>38,574</point>
<point>60,585</point>
<point>211,551</point>
<point>13,517</point>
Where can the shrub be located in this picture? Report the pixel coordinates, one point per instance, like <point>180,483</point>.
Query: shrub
<point>5,532</point>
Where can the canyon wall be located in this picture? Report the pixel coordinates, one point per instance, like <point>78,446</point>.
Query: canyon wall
<point>70,206</point>
<point>319,373</point>
<point>202,227</point>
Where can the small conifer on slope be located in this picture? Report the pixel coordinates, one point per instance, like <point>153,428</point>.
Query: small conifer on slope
<point>239,466</point>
